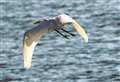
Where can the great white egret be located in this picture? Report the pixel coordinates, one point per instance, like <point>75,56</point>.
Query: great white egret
<point>32,36</point>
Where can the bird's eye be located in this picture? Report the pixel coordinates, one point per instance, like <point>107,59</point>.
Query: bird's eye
<point>58,26</point>
<point>69,23</point>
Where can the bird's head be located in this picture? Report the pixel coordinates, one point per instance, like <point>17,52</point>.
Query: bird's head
<point>65,19</point>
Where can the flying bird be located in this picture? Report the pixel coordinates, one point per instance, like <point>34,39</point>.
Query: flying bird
<point>32,36</point>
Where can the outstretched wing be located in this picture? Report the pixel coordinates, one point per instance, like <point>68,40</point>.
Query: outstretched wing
<point>29,42</point>
<point>39,21</point>
<point>80,30</point>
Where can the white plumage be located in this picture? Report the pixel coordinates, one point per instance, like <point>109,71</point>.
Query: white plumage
<point>32,36</point>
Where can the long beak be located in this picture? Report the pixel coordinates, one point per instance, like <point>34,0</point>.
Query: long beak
<point>80,30</point>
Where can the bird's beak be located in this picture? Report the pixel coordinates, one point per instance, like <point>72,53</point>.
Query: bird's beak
<point>67,21</point>
<point>80,30</point>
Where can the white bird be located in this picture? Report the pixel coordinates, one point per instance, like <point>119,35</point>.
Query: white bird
<point>32,36</point>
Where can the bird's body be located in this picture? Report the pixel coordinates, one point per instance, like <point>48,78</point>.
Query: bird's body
<point>48,25</point>
<point>32,36</point>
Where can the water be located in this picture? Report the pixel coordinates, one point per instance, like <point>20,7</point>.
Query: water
<point>56,59</point>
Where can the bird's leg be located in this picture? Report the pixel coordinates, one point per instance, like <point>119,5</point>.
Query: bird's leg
<point>67,32</point>
<point>65,36</point>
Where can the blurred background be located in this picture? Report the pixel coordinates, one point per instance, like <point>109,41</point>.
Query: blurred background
<point>56,59</point>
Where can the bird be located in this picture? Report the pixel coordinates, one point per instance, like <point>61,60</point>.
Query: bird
<point>32,36</point>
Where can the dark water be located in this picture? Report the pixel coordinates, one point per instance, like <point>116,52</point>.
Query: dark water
<point>55,58</point>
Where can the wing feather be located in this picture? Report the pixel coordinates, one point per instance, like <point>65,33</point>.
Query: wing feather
<point>29,42</point>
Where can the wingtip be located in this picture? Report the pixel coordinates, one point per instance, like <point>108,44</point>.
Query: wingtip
<point>27,66</point>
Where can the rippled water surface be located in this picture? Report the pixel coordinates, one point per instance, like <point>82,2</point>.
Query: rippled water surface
<point>56,59</point>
